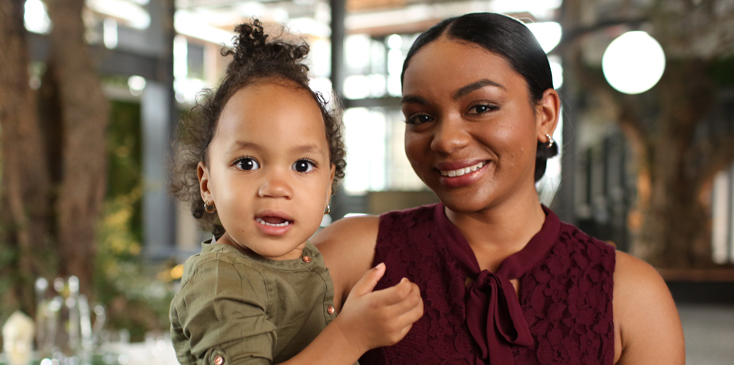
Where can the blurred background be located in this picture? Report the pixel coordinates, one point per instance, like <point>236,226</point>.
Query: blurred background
<point>91,245</point>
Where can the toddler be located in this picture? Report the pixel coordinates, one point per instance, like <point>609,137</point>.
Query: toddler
<point>258,159</point>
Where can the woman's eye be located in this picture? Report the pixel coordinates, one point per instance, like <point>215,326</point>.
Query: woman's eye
<point>418,119</point>
<point>481,109</point>
<point>247,164</point>
<point>303,166</point>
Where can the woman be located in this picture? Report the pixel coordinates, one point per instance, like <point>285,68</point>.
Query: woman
<point>503,281</point>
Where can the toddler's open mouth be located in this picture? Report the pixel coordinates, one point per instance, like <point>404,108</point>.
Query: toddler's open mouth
<point>273,221</point>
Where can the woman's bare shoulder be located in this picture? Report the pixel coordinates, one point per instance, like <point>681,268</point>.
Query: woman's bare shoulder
<point>647,325</point>
<point>347,235</point>
<point>348,247</point>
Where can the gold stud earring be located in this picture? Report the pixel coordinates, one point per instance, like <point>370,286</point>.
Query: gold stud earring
<point>209,207</point>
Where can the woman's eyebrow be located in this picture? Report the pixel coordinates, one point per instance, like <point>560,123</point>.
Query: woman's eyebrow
<point>412,99</point>
<point>466,90</point>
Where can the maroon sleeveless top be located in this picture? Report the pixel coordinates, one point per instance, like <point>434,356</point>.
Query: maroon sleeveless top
<point>562,314</point>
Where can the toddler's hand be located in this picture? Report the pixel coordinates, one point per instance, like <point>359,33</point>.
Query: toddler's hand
<point>381,318</point>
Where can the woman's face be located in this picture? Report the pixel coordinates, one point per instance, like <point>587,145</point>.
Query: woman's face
<point>472,130</point>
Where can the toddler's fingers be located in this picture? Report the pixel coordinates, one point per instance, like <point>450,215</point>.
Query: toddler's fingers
<point>408,311</point>
<point>393,294</point>
<point>413,314</point>
<point>411,301</point>
<point>368,281</point>
<point>401,334</point>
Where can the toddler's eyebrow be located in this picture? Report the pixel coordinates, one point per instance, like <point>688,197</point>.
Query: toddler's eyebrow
<point>306,148</point>
<point>242,145</point>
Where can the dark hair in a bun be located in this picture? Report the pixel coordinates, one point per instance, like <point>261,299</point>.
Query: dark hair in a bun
<point>254,58</point>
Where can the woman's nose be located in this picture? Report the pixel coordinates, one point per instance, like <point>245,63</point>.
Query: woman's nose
<point>275,185</point>
<point>449,136</point>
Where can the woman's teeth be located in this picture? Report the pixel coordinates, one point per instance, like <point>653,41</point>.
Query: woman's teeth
<point>263,222</point>
<point>460,172</point>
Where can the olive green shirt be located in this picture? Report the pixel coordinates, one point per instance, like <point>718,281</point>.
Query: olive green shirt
<point>238,308</point>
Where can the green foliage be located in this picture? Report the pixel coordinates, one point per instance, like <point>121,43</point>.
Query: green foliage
<point>124,151</point>
<point>134,297</point>
<point>8,276</point>
<point>722,71</point>
<point>125,284</point>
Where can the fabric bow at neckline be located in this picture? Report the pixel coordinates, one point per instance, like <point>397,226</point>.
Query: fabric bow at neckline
<point>493,312</point>
<point>490,301</point>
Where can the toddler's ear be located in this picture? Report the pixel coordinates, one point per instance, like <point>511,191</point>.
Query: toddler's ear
<point>331,179</point>
<point>333,172</point>
<point>202,172</point>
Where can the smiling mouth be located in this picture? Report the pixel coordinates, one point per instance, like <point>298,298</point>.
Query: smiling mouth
<point>463,171</point>
<point>273,221</point>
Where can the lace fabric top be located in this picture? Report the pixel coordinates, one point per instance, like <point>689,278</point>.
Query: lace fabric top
<point>564,301</point>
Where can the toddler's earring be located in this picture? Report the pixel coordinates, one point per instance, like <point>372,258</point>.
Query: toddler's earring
<point>550,142</point>
<point>209,208</point>
<point>327,210</point>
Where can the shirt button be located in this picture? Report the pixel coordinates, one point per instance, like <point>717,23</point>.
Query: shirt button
<point>306,259</point>
<point>218,360</point>
<point>330,309</point>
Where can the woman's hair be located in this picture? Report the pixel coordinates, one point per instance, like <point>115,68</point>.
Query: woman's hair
<point>254,58</point>
<point>508,38</point>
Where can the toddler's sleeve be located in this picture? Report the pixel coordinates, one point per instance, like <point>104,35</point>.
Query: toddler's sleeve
<point>223,315</point>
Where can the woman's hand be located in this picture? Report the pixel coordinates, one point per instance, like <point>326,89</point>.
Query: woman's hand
<point>372,319</point>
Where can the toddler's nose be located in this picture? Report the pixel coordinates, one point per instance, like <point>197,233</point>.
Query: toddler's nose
<point>275,186</point>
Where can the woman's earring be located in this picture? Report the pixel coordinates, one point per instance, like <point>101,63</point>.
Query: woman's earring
<point>327,210</point>
<point>209,208</point>
<point>550,142</point>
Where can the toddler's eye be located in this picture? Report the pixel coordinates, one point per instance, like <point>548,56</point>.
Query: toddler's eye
<point>303,166</point>
<point>247,164</point>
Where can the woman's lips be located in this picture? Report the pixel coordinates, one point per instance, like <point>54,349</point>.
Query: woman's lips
<point>462,171</point>
<point>456,175</point>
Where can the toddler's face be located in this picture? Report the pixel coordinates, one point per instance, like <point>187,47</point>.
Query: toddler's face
<point>268,169</point>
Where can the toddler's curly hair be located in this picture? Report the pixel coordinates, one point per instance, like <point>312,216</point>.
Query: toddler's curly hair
<point>254,58</point>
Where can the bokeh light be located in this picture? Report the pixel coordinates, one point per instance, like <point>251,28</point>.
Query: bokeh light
<point>633,63</point>
<point>548,34</point>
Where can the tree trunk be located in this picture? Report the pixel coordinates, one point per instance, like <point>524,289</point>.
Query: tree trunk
<point>667,126</point>
<point>84,119</point>
<point>675,232</point>
<point>24,217</point>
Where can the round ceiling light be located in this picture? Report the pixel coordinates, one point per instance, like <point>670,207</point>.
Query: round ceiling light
<point>633,63</point>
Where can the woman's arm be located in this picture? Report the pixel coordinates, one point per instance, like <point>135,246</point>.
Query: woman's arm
<point>647,327</point>
<point>348,247</point>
